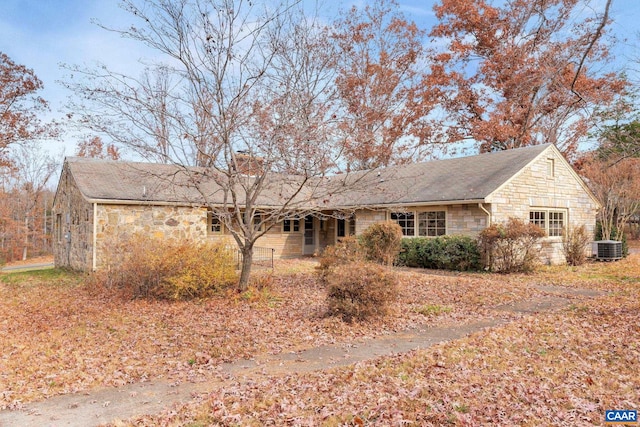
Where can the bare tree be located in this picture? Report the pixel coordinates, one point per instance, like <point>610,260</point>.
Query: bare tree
<point>246,96</point>
<point>26,186</point>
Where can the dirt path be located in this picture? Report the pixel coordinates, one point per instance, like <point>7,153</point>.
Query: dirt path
<point>100,406</point>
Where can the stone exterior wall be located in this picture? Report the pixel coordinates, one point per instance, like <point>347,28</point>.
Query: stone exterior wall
<point>466,220</point>
<point>461,219</point>
<point>367,217</point>
<point>73,226</point>
<point>539,187</point>
<point>163,222</point>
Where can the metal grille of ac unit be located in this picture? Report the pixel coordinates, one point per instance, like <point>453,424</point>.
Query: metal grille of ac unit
<point>609,250</point>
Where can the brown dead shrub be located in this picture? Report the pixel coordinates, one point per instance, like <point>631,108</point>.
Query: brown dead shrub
<point>141,266</point>
<point>511,247</point>
<point>575,241</point>
<point>381,242</point>
<point>346,251</point>
<point>359,290</point>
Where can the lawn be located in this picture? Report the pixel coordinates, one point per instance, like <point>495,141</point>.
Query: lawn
<point>59,336</point>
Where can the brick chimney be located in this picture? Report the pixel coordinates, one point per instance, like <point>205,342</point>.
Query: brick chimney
<point>248,165</point>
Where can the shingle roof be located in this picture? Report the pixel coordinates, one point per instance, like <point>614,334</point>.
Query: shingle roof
<point>448,180</point>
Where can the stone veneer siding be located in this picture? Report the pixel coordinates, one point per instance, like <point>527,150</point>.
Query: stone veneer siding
<point>73,226</point>
<point>461,219</point>
<point>163,222</point>
<point>534,188</point>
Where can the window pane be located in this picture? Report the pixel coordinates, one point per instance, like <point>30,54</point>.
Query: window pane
<point>215,226</point>
<point>432,223</point>
<point>538,218</point>
<point>406,221</point>
<point>556,223</point>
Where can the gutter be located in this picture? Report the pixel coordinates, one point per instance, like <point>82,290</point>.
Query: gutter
<point>94,262</point>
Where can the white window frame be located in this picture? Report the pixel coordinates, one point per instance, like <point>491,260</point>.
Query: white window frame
<point>547,223</point>
<point>210,224</point>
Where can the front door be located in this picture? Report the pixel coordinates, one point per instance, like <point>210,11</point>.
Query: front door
<point>309,244</point>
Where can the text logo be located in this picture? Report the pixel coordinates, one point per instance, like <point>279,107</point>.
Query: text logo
<point>621,417</point>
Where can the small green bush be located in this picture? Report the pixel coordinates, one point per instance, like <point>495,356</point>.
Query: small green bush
<point>511,247</point>
<point>360,290</point>
<point>575,242</point>
<point>347,250</point>
<point>140,266</point>
<point>458,253</point>
<point>381,242</point>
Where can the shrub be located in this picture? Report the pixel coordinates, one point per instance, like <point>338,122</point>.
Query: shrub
<point>381,242</point>
<point>359,290</point>
<point>459,253</point>
<point>574,244</point>
<point>511,247</point>
<point>141,266</point>
<point>347,250</point>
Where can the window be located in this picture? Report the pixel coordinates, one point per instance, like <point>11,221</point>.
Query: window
<point>406,221</point>
<point>59,227</point>
<point>291,225</point>
<point>538,218</point>
<point>346,227</point>
<point>214,225</point>
<point>432,223</point>
<point>551,171</point>
<point>556,223</point>
<point>551,221</point>
<point>258,225</point>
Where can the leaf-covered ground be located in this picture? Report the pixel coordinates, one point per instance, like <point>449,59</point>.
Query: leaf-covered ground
<point>567,367</point>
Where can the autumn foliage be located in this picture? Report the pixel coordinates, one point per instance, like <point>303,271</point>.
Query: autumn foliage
<point>379,65</point>
<point>139,266</point>
<point>19,106</point>
<point>520,73</point>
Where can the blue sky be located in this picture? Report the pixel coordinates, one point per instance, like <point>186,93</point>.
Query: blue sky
<point>41,34</point>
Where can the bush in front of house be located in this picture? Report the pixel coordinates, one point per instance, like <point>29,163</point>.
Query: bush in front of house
<point>575,242</point>
<point>346,251</point>
<point>381,242</point>
<point>511,247</point>
<point>360,290</point>
<point>460,253</point>
<point>141,266</point>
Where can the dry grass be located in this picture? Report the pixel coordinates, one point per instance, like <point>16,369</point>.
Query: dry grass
<point>57,336</point>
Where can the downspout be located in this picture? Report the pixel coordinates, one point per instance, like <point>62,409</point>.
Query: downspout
<point>95,239</point>
<point>488,260</point>
<point>481,206</point>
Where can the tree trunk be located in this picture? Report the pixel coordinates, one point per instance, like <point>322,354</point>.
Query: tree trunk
<point>26,238</point>
<point>247,260</point>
